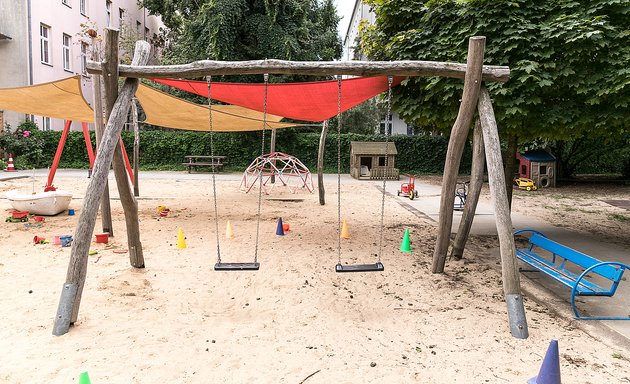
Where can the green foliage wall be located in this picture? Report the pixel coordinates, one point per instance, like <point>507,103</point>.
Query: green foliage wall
<point>166,149</point>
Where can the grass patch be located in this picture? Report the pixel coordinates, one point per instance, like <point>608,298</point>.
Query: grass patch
<point>619,217</point>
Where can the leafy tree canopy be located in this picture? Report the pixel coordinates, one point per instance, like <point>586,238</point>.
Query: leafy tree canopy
<point>249,29</point>
<point>568,59</point>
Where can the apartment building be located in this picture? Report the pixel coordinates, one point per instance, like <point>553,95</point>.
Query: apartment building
<point>47,40</point>
<point>393,123</point>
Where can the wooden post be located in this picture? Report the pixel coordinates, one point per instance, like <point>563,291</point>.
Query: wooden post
<point>474,190</point>
<point>459,133</point>
<point>320,164</point>
<point>106,210</point>
<point>128,201</point>
<point>77,267</point>
<point>496,178</point>
<point>136,146</point>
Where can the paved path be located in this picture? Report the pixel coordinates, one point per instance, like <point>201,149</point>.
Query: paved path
<point>427,205</point>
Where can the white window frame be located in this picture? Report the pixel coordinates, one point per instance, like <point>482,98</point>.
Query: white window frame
<point>82,7</point>
<point>46,126</point>
<point>66,3</point>
<point>66,41</point>
<point>85,51</point>
<point>138,27</point>
<point>44,44</point>
<point>121,18</point>
<point>108,9</point>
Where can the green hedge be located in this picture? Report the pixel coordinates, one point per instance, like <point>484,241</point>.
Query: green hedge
<point>165,149</point>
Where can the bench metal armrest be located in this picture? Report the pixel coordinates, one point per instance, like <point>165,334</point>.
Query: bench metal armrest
<point>614,288</point>
<point>529,230</point>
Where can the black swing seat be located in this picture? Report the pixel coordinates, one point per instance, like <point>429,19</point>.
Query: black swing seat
<point>237,266</point>
<point>377,267</point>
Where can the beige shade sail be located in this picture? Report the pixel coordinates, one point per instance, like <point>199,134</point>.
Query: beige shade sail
<point>61,99</point>
<point>168,111</point>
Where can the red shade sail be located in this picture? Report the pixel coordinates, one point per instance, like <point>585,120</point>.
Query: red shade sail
<point>310,101</point>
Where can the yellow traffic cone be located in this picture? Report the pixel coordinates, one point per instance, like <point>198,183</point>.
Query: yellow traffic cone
<point>229,231</point>
<point>181,240</point>
<point>344,231</point>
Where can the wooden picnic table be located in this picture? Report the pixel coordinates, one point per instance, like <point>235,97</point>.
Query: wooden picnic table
<point>194,161</point>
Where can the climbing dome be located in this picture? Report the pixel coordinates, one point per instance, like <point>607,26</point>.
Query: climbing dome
<point>277,169</point>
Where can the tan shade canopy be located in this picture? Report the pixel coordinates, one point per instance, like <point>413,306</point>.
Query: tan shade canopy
<point>63,99</point>
<point>168,111</point>
<point>60,99</point>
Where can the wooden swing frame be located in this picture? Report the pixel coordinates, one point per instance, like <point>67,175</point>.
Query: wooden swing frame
<point>475,98</point>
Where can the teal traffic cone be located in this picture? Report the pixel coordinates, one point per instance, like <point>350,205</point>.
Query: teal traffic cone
<point>550,369</point>
<point>84,378</point>
<point>406,244</point>
<point>280,229</point>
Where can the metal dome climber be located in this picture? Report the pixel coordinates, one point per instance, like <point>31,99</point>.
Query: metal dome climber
<point>273,168</point>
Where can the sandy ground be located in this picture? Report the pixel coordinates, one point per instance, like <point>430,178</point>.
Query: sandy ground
<point>178,321</point>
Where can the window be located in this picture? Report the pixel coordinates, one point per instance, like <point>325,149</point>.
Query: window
<point>44,32</point>
<point>523,169</point>
<point>66,52</point>
<point>543,170</point>
<point>108,8</point>
<point>138,27</point>
<point>381,161</point>
<point>84,57</point>
<point>46,123</point>
<point>82,8</point>
<point>121,18</point>
<point>146,32</point>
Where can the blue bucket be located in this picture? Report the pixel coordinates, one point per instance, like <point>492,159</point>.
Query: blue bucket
<point>66,241</point>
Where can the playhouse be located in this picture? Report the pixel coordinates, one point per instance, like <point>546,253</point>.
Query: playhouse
<point>368,160</point>
<point>538,165</point>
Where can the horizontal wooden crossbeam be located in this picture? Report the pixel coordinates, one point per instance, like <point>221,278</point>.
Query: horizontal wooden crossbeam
<point>316,68</point>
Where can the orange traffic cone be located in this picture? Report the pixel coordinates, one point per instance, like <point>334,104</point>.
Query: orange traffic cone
<point>10,167</point>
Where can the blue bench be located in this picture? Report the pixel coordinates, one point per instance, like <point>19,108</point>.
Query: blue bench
<point>557,260</point>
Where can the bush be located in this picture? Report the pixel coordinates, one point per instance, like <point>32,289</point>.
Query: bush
<point>165,149</point>
<point>27,149</point>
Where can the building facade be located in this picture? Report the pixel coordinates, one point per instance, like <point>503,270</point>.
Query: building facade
<point>47,40</point>
<point>362,13</point>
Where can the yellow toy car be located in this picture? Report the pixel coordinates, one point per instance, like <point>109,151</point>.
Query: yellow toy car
<point>524,183</point>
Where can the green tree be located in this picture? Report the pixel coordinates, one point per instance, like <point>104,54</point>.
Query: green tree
<point>568,59</point>
<point>250,29</point>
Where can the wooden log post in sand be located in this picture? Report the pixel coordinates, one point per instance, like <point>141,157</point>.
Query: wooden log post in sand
<point>509,268</point>
<point>459,133</point>
<point>474,190</point>
<point>136,146</point>
<point>77,267</point>
<point>128,201</point>
<point>320,163</point>
<point>106,210</point>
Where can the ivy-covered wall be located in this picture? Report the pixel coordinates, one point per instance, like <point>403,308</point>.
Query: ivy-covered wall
<point>165,149</point>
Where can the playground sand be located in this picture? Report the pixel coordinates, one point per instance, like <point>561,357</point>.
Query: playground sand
<point>294,321</point>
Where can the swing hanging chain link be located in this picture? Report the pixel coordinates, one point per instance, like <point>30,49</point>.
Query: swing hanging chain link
<point>262,153</point>
<point>214,183</point>
<point>339,168</point>
<point>390,79</point>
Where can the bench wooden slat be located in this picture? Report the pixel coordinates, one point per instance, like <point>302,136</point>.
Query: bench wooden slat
<point>574,256</point>
<point>562,276</point>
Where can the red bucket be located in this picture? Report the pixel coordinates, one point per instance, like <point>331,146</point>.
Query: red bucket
<point>102,238</point>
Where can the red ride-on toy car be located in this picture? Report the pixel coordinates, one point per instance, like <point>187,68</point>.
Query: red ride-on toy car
<point>408,189</point>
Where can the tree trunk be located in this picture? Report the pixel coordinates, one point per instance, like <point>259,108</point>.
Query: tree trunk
<point>496,177</point>
<point>320,164</point>
<point>474,190</point>
<point>77,267</point>
<point>510,165</point>
<point>456,143</point>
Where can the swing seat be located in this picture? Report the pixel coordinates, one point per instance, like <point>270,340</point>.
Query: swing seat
<point>237,266</point>
<point>377,267</point>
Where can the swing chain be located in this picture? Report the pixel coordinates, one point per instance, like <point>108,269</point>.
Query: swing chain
<point>262,153</point>
<point>214,183</point>
<point>339,168</point>
<point>387,133</point>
